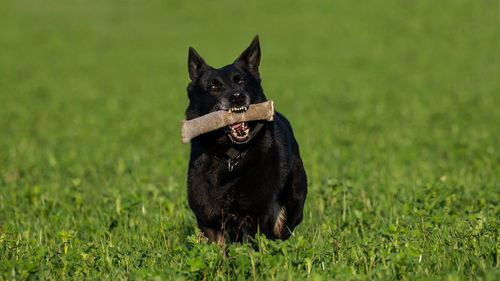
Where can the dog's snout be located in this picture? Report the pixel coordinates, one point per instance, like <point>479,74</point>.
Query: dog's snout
<point>238,99</point>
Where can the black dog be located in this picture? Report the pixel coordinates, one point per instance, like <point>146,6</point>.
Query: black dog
<point>248,177</point>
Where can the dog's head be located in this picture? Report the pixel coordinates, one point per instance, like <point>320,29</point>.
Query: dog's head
<point>233,87</point>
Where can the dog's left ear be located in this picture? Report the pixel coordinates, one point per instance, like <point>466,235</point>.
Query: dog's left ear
<point>251,56</point>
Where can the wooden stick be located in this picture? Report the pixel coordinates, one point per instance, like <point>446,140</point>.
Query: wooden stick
<point>218,119</point>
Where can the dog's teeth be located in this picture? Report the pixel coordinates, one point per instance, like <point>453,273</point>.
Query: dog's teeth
<point>238,109</point>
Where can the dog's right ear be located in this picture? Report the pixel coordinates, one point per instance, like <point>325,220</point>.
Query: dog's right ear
<point>196,64</point>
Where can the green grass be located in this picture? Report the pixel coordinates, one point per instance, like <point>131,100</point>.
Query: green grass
<point>395,105</point>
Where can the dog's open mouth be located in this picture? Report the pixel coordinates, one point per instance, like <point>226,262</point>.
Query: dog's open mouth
<point>240,132</point>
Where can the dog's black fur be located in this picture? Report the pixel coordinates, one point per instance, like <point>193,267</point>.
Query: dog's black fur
<point>265,189</point>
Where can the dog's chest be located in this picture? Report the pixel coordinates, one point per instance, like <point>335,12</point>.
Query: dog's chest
<point>248,190</point>
<point>237,194</point>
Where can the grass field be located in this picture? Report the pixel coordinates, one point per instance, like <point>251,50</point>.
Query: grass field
<point>395,105</point>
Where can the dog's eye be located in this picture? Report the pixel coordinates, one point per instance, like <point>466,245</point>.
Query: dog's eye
<point>239,80</point>
<point>213,87</point>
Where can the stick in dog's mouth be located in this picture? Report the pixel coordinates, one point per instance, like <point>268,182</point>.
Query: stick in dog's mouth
<point>235,122</point>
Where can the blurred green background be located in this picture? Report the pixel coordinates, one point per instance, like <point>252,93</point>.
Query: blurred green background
<point>394,104</point>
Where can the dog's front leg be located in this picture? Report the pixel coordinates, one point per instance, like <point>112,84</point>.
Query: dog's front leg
<point>213,235</point>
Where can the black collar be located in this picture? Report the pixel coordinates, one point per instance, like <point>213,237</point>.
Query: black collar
<point>235,153</point>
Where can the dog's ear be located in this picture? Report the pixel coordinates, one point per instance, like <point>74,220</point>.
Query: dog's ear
<point>196,64</point>
<point>251,56</point>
